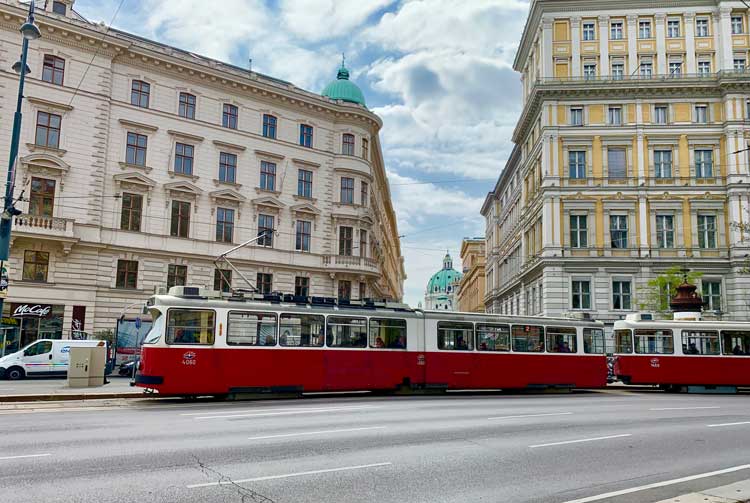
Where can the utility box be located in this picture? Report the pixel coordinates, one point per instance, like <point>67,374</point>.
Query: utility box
<point>97,364</point>
<point>79,368</point>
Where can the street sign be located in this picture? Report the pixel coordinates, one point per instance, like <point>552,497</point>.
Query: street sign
<point>3,280</point>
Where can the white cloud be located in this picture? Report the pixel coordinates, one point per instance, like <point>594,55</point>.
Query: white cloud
<point>315,20</point>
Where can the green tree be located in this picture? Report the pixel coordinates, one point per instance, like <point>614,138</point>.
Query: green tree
<point>663,288</point>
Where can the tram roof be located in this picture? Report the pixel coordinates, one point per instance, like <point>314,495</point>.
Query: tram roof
<point>679,324</point>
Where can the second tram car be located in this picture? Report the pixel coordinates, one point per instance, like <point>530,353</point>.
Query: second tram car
<point>204,345</point>
<point>677,354</point>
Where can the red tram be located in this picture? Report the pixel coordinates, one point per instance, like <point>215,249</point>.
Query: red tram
<point>677,354</point>
<point>203,345</point>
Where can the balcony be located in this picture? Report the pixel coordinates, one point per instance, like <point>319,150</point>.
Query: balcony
<point>644,181</point>
<point>354,264</point>
<point>41,227</point>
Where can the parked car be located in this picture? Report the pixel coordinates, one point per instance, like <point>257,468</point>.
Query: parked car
<point>43,357</point>
<point>126,369</point>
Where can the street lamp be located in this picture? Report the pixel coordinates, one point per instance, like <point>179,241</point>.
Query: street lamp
<point>30,31</point>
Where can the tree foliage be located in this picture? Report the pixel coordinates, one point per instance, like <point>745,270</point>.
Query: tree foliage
<point>663,288</point>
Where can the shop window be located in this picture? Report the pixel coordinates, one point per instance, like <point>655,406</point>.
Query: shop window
<point>35,265</point>
<point>127,274</point>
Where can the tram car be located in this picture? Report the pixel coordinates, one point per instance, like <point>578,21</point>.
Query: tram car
<point>202,343</point>
<point>682,353</point>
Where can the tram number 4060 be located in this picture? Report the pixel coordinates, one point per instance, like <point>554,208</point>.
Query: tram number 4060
<point>189,358</point>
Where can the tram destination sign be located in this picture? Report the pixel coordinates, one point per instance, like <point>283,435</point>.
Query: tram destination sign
<point>32,310</point>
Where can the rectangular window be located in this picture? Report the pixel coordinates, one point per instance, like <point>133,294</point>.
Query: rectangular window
<point>581,294</point>
<point>264,282</point>
<point>305,135</point>
<point>229,116</point>
<point>623,341</point>
<point>269,126</point>
<point>224,225</point>
<point>576,116</point>
<point>701,27</point>
<point>616,168</point>
<point>127,274</point>
<point>303,236</point>
<point>673,28</point>
<point>347,144</point>
<point>387,333</point>
<point>589,71</point>
<point>362,243</point>
<point>704,68</point>
<point>577,164</point>
<point>302,330</point>
<point>711,295</point>
<point>302,287</point>
<point>304,183</point>
<point>345,240</point>
<point>59,8</point>
<point>42,197</point>
<point>176,275</point>
<point>227,167</point>
<point>183,159</point>
<point>618,231</point>
<point>738,27</point>
<point>136,149</point>
<point>593,341</point>
<point>644,29</point>
<point>646,69</point>
<point>589,31</point>
<point>700,342</point>
<point>267,176</point>
<point>651,341</point>
<point>187,106</point>
<point>139,93</point>
<point>735,342</point>
<point>347,190</point>
<point>53,69</point>
<point>265,230</point>
<point>48,130</point>
<point>455,336</point>
<point>365,149</point>
<point>675,68</point>
<point>701,114</point>
<point>706,231</point>
<point>621,295</point>
<point>615,116</point>
<point>491,337</point>
<point>223,280</point>
<point>190,326</point>
<point>35,265</point>
<point>132,208</point>
<point>180,221</point>
<point>364,193</point>
<point>561,340</point>
<point>618,71</point>
<point>739,64</point>
<point>665,231</point>
<point>251,329</point>
<point>704,163</point>
<point>578,231</point>
<point>528,338</point>
<point>615,30</point>
<point>660,114</point>
<point>346,332</point>
<point>663,163</point>
<point>345,290</point>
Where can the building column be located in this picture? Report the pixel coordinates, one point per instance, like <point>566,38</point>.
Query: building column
<point>644,224</point>
<point>632,44</point>
<point>547,56</point>
<point>575,46</point>
<point>725,33</point>
<point>604,46</point>
<point>661,44</point>
<point>642,168</point>
<point>554,169</point>
<point>548,224</point>
<point>691,66</point>
<point>735,216</point>
<point>719,59</point>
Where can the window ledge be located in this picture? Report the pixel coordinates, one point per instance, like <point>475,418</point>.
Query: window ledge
<point>219,183</point>
<point>173,174</point>
<point>142,167</point>
<point>258,190</point>
<point>33,147</point>
<point>297,197</point>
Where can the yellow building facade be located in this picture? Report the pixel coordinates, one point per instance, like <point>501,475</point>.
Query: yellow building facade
<point>472,288</point>
<point>630,158</point>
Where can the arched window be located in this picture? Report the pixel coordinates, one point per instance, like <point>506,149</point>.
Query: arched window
<point>347,147</point>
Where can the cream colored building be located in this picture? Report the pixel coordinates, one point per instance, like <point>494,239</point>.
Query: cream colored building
<point>626,158</point>
<point>472,289</point>
<point>140,163</point>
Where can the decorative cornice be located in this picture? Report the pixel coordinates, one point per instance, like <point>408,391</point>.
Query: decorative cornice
<point>138,125</point>
<point>48,104</point>
<point>305,162</point>
<point>229,146</point>
<point>265,153</point>
<point>186,136</point>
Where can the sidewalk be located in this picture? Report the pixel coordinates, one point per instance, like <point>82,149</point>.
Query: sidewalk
<point>41,389</point>
<point>739,492</point>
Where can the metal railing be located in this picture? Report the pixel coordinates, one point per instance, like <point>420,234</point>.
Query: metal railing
<point>29,222</point>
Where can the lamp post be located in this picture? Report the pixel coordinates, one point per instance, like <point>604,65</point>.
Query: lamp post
<point>30,31</point>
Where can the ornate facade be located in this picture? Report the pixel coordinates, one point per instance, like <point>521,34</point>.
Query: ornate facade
<point>471,290</point>
<point>442,289</point>
<point>630,158</point>
<point>140,163</point>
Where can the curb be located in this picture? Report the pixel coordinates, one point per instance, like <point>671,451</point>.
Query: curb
<point>70,396</point>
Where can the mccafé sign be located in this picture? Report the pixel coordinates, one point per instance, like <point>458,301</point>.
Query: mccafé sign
<point>31,310</point>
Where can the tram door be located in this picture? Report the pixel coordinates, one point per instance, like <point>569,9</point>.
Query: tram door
<point>347,360</point>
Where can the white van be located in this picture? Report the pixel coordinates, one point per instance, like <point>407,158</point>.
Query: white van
<point>43,357</point>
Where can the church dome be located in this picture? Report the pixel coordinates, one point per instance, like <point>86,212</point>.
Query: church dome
<point>344,89</point>
<point>444,281</point>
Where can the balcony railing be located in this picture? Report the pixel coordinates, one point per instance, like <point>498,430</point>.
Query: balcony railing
<point>350,262</point>
<point>644,181</point>
<point>44,224</point>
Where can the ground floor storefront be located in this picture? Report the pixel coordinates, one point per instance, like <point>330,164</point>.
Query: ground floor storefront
<point>25,322</point>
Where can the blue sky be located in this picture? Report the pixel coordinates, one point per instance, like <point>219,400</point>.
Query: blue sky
<point>438,72</point>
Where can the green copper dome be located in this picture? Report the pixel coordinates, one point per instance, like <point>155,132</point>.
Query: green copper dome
<point>344,89</point>
<point>444,278</point>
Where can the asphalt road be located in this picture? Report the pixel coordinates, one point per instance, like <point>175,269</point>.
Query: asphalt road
<point>456,448</point>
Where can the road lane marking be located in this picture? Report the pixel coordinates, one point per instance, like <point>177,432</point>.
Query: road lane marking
<point>656,485</point>
<point>25,456</point>
<point>286,413</point>
<point>532,415</point>
<point>684,408</point>
<point>321,432</point>
<point>288,475</point>
<point>581,440</point>
<point>727,424</point>
<point>275,409</point>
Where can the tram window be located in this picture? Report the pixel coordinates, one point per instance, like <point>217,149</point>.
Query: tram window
<point>153,335</point>
<point>593,341</point>
<point>302,330</point>
<point>455,336</point>
<point>561,340</point>
<point>623,341</point>
<point>528,338</point>
<point>344,332</point>
<point>736,342</point>
<point>387,333</point>
<point>251,329</point>
<point>700,342</point>
<point>190,326</point>
<point>493,337</point>
<point>651,341</point>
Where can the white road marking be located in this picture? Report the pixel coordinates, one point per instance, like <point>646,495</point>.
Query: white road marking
<point>25,456</point>
<point>581,440</point>
<point>727,424</point>
<point>285,413</point>
<point>684,408</point>
<point>275,409</point>
<point>289,475</point>
<point>321,432</point>
<point>533,415</point>
<point>655,485</point>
